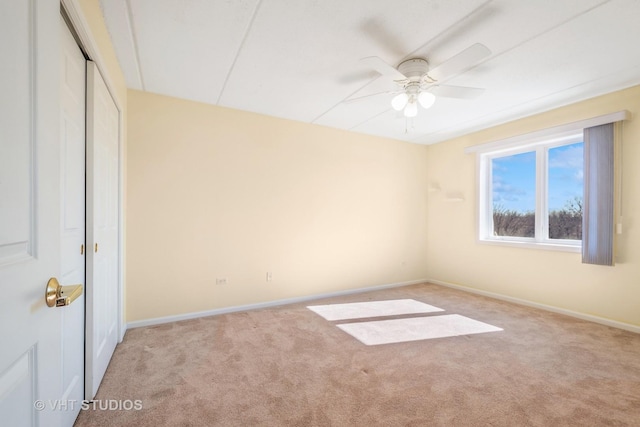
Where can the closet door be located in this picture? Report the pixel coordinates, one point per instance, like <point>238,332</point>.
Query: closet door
<point>102,229</point>
<point>72,212</point>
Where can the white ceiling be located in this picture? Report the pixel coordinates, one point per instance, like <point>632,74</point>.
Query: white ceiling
<point>299,59</point>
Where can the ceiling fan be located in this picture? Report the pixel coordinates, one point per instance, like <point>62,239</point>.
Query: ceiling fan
<point>420,85</point>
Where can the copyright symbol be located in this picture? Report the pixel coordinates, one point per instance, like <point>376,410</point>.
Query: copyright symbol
<point>39,405</point>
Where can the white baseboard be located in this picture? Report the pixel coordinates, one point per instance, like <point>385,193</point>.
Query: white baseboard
<point>214,312</point>
<point>576,314</point>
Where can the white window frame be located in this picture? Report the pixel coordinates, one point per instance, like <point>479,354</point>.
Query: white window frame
<point>545,139</point>
<point>541,149</point>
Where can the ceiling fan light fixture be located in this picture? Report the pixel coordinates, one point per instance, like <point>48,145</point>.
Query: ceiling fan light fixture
<point>411,110</point>
<point>399,101</point>
<point>415,80</point>
<point>426,99</point>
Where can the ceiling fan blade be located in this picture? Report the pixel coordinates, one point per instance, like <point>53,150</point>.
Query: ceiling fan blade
<point>460,62</point>
<point>460,92</point>
<point>376,30</point>
<point>383,68</point>
<point>357,77</point>
<point>360,98</point>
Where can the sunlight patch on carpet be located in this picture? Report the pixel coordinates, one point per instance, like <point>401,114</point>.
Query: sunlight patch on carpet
<point>361,310</point>
<point>415,329</point>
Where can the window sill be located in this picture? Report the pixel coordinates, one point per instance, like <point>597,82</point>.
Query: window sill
<point>560,247</point>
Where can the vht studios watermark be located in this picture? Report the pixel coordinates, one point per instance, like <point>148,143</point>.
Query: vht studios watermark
<point>85,405</point>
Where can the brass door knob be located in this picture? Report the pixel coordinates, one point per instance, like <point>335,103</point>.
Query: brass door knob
<point>59,296</point>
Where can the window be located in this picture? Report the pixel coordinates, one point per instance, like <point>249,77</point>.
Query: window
<point>565,190</point>
<point>531,188</point>
<point>531,194</point>
<point>513,191</point>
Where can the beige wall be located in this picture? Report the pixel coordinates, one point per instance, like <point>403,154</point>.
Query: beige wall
<point>220,193</point>
<point>556,279</point>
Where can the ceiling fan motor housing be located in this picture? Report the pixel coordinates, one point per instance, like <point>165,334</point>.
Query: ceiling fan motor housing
<point>414,68</point>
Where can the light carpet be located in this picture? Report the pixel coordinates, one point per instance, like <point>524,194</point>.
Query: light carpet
<point>362,310</point>
<point>415,329</point>
<point>287,366</point>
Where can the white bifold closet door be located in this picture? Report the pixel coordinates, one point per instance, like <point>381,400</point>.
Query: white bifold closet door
<point>102,229</point>
<point>72,221</point>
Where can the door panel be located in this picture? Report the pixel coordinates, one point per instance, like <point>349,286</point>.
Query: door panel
<point>16,124</point>
<point>72,175</point>
<point>30,356</point>
<point>102,228</point>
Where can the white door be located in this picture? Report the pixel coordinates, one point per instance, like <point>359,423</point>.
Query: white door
<point>72,185</point>
<point>30,332</point>
<point>102,229</point>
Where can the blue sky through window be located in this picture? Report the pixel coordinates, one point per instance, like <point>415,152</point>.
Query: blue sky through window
<point>514,182</point>
<point>565,175</point>
<point>514,179</point>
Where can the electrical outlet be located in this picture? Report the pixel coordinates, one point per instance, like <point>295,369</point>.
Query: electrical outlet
<point>269,276</point>
<point>221,281</point>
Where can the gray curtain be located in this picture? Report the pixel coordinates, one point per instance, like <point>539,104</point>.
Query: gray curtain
<point>597,217</point>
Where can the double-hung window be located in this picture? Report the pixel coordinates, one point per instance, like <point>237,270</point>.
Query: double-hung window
<point>531,193</point>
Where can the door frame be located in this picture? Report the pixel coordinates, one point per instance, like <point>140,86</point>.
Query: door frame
<point>89,44</point>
